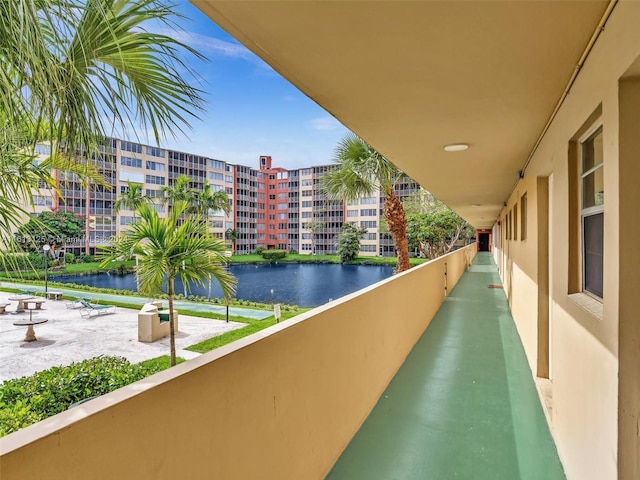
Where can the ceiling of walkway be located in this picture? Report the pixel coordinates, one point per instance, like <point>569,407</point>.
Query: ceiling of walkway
<point>412,77</point>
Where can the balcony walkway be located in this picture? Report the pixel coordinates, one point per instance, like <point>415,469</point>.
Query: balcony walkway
<point>463,405</point>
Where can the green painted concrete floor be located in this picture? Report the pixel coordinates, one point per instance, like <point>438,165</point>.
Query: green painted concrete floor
<point>463,405</point>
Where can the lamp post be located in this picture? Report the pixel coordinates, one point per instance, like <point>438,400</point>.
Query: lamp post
<point>46,249</point>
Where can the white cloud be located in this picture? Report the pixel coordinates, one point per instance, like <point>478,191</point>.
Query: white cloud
<point>209,45</point>
<point>221,47</point>
<point>325,123</point>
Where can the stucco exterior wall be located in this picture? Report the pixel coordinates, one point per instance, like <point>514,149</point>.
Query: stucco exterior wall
<point>629,283</point>
<point>293,395</point>
<point>585,345</point>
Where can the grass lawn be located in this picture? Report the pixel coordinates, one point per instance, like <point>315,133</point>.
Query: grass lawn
<point>159,363</point>
<point>69,269</point>
<point>253,326</point>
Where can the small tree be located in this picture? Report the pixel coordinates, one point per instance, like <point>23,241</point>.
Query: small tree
<point>167,252</point>
<point>53,228</point>
<point>181,191</point>
<point>232,236</point>
<point>432,227</point>
<point>130,199</point>
<point>349,241</point>
<point>314,226</point>
<point>207,200</point>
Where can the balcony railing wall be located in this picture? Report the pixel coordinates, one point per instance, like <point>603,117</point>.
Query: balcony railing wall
<point>293,395</point>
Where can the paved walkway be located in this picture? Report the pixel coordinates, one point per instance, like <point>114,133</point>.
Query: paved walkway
<point>179,304</point>
<point>67,338</point>
<point>463,405</point>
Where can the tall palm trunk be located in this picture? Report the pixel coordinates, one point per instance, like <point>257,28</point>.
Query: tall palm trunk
<point>396,220</point>
<point>172,328</point>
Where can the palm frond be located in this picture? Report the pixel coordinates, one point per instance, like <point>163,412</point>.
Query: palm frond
<point>359,171</point>
<point>112,67</point>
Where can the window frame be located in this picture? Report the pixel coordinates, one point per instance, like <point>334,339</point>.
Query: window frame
<point>584,212</point>
<point>523,217</point>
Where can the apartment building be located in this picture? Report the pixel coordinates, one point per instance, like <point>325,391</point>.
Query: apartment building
<point>262,207</point>
<point>299,217</point>
<point>119,162</point>
<point>272,207</point>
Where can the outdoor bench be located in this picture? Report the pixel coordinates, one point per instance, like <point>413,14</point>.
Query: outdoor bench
<point>38,303</point>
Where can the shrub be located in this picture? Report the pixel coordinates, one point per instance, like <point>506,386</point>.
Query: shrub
<point>20,261</point>
<point>15,416</point>
<point>349,241</point>
<point>273,255</point>
<point>259,250</point>
<point>121,269</point>
<point>293,251</point>
<point>85,258</point>
<point>28,400</point>
<point>69,257</point>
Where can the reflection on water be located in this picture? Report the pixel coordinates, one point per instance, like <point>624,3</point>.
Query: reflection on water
<point>306,285</point>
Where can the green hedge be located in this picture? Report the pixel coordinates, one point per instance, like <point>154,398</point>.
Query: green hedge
<point>86,258</point>
<point>273,255</point>
<point>28,400</point>
<point>22,262</point>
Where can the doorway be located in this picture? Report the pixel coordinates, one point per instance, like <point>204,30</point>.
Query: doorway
<point>483,242</point>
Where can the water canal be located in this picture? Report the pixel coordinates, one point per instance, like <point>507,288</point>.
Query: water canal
<point>307,285</point>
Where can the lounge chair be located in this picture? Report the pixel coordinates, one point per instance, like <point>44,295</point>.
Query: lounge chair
<point>88,309</point>
<point>76,302</point>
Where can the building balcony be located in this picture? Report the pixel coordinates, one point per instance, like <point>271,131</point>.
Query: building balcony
<point>462,403</point>
<point>104,195</point>
<point>73,193</point>
<point>111,166</point>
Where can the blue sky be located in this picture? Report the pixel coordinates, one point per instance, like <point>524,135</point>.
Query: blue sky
<point>250,109</point>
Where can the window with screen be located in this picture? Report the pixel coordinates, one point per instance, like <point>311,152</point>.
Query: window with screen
<point>592,211</point>
<point>523,217</point>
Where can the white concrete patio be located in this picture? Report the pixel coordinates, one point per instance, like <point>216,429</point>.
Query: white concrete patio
<point>67,337</point>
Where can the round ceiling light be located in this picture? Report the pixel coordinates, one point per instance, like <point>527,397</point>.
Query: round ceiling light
<point>456,147</point>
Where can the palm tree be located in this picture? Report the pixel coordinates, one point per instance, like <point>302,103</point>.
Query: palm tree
<point>73,71</point>
<point>207,200</point>
<point>167,252</point>
<point>233,235</point>
<point>361,171</point>
<point>200,202</point>
<point>181,191</point>
<point>314,226</point>
<point>130,199</point>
